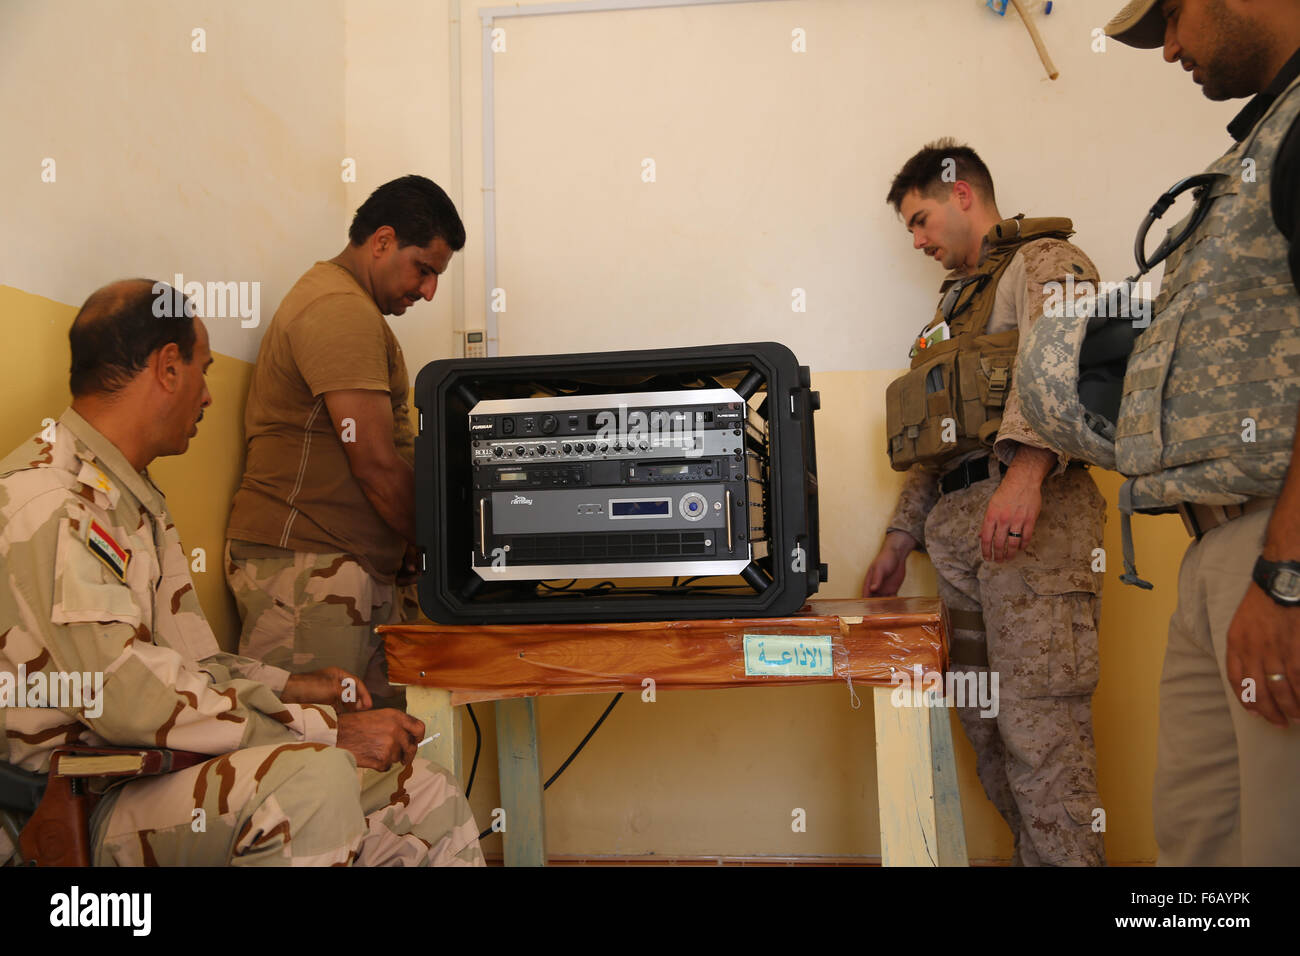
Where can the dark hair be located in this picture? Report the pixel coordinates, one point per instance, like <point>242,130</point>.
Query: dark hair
<point>119,327</point>
<point>417,209</point>
<point>925,172</point>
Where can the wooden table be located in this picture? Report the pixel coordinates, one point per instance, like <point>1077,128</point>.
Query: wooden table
<point>867,641</point>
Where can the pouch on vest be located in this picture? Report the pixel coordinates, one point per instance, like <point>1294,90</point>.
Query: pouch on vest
<point>950,402</point>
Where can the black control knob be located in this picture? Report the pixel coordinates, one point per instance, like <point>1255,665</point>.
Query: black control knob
<point>549,424</point>
<point>644,446</point>
<point>498,451</point>
<point>604,446</point>
<point>519,450</point>
<point>567,448</point>
<point>591,446</point>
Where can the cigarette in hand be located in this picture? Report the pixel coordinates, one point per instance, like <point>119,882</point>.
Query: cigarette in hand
<point>427,739</point>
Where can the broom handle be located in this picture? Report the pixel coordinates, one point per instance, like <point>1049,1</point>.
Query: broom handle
<point>1052,71</point>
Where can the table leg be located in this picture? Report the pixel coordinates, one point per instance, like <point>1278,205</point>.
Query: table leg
<point>950,825</point>
<point>521,782</point>
<point>920,807</point>
<point>433,706</point>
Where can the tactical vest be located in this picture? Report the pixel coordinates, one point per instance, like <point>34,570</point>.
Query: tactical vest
<point>1207,413</point>
<point>950,403</point>
<point>1210,393</point>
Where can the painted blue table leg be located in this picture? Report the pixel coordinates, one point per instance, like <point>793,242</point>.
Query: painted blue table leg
<point>521,782</point>
<point>950,825</point>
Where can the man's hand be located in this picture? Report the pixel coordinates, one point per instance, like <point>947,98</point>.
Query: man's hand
<point>329,685</point>
<point>1264,639</point>
<point>409,573</point>
<point>380,738</point>
<point>387,481</point>
<point>1013,510</point>
<point>885,576</point>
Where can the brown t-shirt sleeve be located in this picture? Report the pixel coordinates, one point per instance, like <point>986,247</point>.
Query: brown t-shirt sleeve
<point>338,343</point>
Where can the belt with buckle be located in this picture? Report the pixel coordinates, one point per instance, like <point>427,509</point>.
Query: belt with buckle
<point>1199,519</point>
<point>969,472</point>
<point>966,474</point>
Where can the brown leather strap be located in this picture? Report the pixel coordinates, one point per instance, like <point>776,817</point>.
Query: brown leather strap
<point>58,833</point>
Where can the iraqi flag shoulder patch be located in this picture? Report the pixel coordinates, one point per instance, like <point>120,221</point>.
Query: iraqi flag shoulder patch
<point>102,546</point>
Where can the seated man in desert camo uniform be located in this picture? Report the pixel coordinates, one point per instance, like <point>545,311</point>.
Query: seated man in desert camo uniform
<point>95,580</point>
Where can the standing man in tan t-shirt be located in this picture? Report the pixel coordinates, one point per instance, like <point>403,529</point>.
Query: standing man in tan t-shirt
<point>320,540</point>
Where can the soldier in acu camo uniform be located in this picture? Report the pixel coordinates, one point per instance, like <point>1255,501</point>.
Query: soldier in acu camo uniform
<point>95,581</point>
<point>1012,533</point>
<point>321,536</point>
<point>1207,424</point>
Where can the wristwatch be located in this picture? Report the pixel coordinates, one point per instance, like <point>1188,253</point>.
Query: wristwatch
<point>1280,580</point>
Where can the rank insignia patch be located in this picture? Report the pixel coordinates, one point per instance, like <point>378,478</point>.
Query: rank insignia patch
<point>102,546</point>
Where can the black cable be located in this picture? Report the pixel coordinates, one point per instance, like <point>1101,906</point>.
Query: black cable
<point>684,590</point>
<point>681,592</point>
<point>670,592</point>
<point>577,750</point>
<point>478,745</point>
<point>1202,196</point>
<point>558,587</point>
<point>605,587</point>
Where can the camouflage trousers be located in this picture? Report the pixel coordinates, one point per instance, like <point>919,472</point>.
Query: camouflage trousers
<point>1036,758</point>
<point>288,805</point>
<point>302,611</point>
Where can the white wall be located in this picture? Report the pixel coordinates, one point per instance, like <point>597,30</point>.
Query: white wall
<point>222,165</point>
<point>399,96</point>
